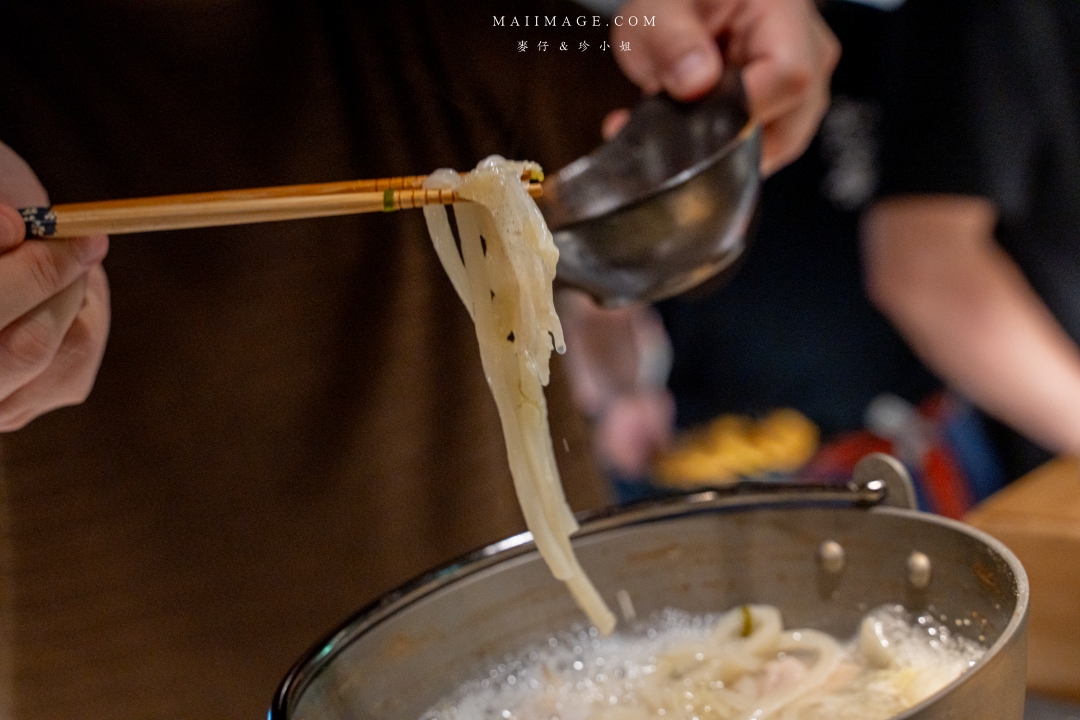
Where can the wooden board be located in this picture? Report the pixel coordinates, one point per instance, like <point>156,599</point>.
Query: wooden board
<point>1038,518</point>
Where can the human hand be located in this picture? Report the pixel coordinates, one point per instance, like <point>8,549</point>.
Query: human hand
<point>633,429</point>
<point>54,307</point>
<point>786,51</point>
<point>617,362</point>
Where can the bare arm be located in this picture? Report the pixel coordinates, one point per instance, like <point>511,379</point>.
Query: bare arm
<point>934,269</point>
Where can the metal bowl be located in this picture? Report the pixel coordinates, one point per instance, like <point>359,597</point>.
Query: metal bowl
<point>702,553</point>
<point>664,205</point>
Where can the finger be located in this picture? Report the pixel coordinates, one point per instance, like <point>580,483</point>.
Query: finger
<point>38,269</point>
<point>787,63</point>
<point>786,138</point>
<point>28,344</point>
<point>678,53</point>
<point>613,122</point>
<point>774,87</point>
<point>70,376</point>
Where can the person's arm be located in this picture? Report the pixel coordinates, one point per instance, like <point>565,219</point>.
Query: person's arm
<point>54,307</point>
<point>935,270</point>
<point>786,51</point>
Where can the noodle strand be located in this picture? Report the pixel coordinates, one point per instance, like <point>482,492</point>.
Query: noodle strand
<point>503,275</point>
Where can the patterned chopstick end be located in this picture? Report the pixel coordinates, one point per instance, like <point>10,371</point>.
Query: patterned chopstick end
<point>40,222</point>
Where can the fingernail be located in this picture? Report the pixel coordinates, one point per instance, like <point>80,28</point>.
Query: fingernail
<point>92,249</point>
<point>692,73</point>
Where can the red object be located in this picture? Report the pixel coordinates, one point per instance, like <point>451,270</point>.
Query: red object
<point>837,458</point>
<point>941,482</point>
<point>944,483</point>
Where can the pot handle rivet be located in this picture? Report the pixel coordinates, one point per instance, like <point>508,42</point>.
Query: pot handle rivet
<point>832,556</point>
<point>918,566</point>
<point>877,472</point>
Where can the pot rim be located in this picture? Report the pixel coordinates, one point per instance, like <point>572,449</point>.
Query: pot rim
<point>744,496</point>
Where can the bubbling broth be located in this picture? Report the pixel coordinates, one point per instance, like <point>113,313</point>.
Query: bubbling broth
<point>739,665</point>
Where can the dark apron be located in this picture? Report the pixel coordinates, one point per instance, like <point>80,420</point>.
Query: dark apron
<point>290,418</point>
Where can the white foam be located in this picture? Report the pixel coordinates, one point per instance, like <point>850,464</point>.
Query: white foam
<point>580,676</point>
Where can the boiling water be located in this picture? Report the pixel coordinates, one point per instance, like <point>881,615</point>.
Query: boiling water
<point>683,667</point>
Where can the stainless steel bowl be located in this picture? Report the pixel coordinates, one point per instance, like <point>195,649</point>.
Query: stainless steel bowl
<point>664,205</point>
<point>701,553</point>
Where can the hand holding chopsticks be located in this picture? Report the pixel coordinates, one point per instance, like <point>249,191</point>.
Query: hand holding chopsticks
<point>54,317</point>
<point>238,207</point>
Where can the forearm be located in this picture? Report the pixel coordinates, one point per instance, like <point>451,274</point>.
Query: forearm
<point>969,313</point>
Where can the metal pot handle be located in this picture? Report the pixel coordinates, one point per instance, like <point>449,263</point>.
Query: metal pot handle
<point>887,470</point>
<point>877,479</point>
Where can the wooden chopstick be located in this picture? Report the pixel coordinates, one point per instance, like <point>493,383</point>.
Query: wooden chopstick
<point>237,207</point>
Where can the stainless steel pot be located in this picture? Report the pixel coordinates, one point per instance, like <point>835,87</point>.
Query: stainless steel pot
<point>819,554</point>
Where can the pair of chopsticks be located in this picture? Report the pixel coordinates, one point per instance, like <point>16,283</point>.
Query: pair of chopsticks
<point>238,207</point>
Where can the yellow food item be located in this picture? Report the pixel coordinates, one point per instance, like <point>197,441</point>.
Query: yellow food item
<point>735,446</point>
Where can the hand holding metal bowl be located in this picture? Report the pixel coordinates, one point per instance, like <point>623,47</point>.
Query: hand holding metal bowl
<point>662,206</point>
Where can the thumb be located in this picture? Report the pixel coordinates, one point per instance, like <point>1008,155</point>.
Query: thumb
<point>677,54</point>
<point>12,228</point>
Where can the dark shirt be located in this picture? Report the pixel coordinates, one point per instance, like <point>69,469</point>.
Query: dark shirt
<point>793,327</point>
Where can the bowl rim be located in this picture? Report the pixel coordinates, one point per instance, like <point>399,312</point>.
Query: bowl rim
<point>748,136</point>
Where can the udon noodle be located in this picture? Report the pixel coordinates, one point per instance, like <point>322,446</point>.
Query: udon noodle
<point>741,665</point>
<point>503,274</point>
